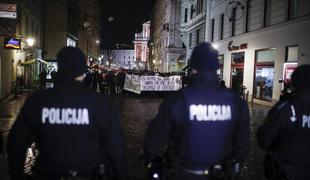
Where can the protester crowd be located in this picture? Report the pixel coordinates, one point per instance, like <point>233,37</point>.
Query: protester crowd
<point>79,135</point>
<point>107,82</point>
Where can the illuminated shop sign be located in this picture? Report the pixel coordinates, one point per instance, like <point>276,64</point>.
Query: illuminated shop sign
<point>11,43</point>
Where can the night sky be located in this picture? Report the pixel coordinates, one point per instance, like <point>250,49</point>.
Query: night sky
<point>121,19</point>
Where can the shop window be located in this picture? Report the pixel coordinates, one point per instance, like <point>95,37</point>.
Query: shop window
<point>264,73</point>
<point>291,63</point>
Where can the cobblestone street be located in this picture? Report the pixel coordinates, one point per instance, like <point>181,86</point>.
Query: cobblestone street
<point>135,113</point>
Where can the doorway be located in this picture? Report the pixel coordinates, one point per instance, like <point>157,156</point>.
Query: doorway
<point>237,71</point>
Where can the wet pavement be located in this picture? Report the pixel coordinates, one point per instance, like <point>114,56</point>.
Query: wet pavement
<point>135,113</point>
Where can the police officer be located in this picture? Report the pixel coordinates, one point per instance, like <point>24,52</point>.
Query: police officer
<point>206,127</point>
<point>286,132</point>
<point>1,143</point>
<point>74,128</point>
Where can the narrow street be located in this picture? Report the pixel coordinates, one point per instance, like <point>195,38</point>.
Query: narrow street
<point>135,113</point>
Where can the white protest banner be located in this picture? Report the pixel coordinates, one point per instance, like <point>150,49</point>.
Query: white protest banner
<point>158,83</point>
<point>132,83</point>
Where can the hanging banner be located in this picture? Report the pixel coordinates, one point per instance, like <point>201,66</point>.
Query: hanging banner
<point>137,84</point>
<point>132,83</point>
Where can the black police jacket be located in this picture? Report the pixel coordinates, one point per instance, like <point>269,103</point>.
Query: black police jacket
<point>203,123</point>
<point>286,130</point>
<point>74,129</point>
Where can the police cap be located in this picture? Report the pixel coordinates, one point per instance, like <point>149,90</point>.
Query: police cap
<point>204,58</point>
<point>71,62</point>
<point>300,77</point>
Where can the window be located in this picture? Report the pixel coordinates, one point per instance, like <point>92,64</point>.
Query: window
<point>264,72</point>
<point>185,15</point>
<point>212,30</point>
<point>124,57</point>
<point>128,57</point>
<point>192,11</point>
<point>197,36</point>
<point>190,40</point>
<point>221,65</point>
<point>247,15</point>
<point>233,21</point>
<point>222,26</point>
<point>267,13</point>
<point>291,53</point>
<point>199,6</point>
<point>292,9</point>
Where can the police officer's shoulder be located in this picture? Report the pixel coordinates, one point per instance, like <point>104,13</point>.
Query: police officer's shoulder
<point>279,106</point>
<point>172,98</point>
<point>227,93</point>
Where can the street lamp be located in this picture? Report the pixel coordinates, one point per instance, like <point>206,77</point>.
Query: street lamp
<point>215,46</point>
<point>30,42</point>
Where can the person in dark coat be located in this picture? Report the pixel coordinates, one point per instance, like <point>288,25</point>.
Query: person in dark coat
<point>1,143</point>
<point>285,133</point>
<point>222,84</point>
<point>75,129</point>
<point>42,77</point>
<point>202,131</point>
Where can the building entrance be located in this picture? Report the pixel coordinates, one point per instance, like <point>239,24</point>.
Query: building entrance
<point>237,70</point>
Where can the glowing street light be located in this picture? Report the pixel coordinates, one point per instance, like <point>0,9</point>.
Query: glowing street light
<point>30,42</point>
<point>215,46</point>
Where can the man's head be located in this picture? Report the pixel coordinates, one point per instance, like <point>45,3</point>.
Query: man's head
<point>300,78</point>
<point>71,62</point>
<point>204,58</point>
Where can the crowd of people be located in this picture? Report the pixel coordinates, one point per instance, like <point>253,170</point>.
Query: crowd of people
<point>202,131</point>
<point>104,81</point>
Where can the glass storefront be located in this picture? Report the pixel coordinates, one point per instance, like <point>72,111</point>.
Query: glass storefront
<point>263,82</point>
<point>264,73</point>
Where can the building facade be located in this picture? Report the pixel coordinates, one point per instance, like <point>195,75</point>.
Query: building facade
<point>141,46</point>
<point>193,24</point>
<point>43,28</point>
<point>89,29</point>
<point>166,45</point>
<point>259,43</point>
<point>21,67</point>
<point>119,58</point>
<point>61,26</point>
